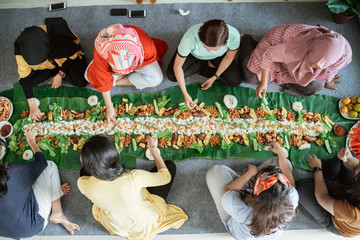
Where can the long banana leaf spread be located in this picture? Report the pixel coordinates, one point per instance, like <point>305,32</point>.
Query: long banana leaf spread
<point>208,131</point>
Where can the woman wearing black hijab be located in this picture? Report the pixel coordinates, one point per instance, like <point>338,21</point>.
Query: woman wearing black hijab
<point>48,51</point>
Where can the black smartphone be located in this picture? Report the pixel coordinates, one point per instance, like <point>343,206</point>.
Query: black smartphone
<point>137,14</point>
<point>118,12</point>
<point>57,6</point>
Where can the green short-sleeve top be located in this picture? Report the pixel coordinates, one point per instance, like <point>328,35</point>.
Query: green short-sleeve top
<point>190,43</point>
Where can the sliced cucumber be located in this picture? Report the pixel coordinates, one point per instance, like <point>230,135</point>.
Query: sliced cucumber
<point>220,109</point>
<point>156,107</point>
<point>327,124</point>
<point>134,144</point>
<point>327,145</point>
<point>255,145</point>
<point>287,145</point>
<point>264,100</point>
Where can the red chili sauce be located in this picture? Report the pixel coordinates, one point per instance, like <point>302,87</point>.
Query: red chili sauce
<point>5,130</point>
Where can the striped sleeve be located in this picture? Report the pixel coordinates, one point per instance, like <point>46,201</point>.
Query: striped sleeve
<point>273,54</point>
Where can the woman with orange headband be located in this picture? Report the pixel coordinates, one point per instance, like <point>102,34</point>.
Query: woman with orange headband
<point>255,211</point>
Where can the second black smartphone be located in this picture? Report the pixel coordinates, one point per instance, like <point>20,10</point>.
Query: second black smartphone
<point>137,14</point>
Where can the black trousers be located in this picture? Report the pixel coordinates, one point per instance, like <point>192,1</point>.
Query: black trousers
<point>231,77</point>
<point>161,191</point>
<point>74,76</point>
<point>247,46</point>
<point>334,170</point>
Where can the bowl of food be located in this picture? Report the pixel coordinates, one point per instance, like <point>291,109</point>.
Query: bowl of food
<point>6,129</point>
<point>339,130</point>
<point>6,109</point>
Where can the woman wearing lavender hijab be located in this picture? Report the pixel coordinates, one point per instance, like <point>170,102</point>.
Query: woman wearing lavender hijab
<point>303,59</point>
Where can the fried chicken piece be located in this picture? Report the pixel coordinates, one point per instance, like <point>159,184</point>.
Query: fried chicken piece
<point>25,113</point>
<point>176,112</point>
<point>260,113</point>
<point>296,140</point>
<point>234,113</point>
<point>215,140</point>
<point>120,110</point>
<point>80,115</point>
<point>201,136</point>
<point>198,113</point>
<point>238,138</point>
<point>290,116</point>
<point>168,112</point>
<point>261,138</point>
<point>188,140</point>
<point>121,141</point>
<point>162,142</point>
<point>150,109</point>
<point>213,111</point>
<point>309,116</point>
<point>186,114</point>
<point>127,140</point>
<point>309,139</point>
<point>22,144</point>
<point>174,138</point>
<point>56,142</point>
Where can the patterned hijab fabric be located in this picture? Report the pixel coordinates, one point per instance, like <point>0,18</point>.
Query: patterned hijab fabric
<point>121,48</point>
<point>266,181</point>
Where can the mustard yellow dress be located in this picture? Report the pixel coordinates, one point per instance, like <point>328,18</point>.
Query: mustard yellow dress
<point>125,208</point>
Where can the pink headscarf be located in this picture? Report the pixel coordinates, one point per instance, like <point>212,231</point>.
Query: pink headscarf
<point>318,45</point>
<point>121,47</point>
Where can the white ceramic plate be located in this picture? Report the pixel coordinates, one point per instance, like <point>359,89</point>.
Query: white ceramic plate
<point>11,107</point>
<point>347,143</point>
<point>346,115</point>
<point>2,149</point>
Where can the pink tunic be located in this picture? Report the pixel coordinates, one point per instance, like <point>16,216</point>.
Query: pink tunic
<point>285,50</point>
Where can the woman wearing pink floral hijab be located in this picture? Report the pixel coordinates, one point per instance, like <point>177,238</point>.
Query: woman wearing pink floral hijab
<point>301,58</point>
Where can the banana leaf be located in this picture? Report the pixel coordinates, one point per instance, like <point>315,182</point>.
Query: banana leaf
<point>76,99</point>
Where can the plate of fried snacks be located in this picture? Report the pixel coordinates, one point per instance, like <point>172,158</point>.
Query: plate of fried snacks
<point>6,109</point>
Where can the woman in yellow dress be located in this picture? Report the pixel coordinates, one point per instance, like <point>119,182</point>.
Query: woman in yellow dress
<point>129,203</point>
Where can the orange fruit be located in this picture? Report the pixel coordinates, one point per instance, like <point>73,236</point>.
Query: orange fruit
<point>353,99</point>
<point>350,106</point>
<point>346,101</point>
<point>357,107</point>
<point>358,99</point>
<point>353,114</point>
<point>344,109</point>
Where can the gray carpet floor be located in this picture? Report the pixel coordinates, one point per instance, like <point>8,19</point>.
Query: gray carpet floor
<point>189,190</point>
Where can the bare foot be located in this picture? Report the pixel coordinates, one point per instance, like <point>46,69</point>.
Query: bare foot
<point>211,65</point>
<point>65,188</point>
<point>60,218</point>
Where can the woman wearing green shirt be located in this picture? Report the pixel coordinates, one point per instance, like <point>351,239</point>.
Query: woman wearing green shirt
<point>208,49</point>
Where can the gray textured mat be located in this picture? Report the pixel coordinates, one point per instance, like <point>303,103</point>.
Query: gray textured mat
<point>189,189</point>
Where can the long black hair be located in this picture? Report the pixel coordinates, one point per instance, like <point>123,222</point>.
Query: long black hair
<point>100,158</point>
<point>352,194</point>
<point>4,177</point>
<point>271,208</point>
